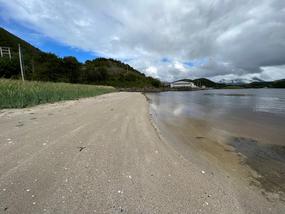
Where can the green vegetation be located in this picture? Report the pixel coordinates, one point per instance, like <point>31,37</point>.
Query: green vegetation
<point>18,94</point>
<point>40,66</point>
<point>272,84</point>
<point>208,83</point>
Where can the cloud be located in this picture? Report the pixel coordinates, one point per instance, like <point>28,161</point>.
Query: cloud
<point>220,38</point>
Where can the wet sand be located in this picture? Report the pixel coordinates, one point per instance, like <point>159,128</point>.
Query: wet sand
<point>249,161</point>
<point>252,157</point>
<point>104,155</point>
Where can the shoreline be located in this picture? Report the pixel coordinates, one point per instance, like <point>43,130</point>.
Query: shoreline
<point>225,151</point>
<point>105,154</point>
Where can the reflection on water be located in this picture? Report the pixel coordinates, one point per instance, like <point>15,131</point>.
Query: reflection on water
<point>254,118</point>
<point>256,113</point>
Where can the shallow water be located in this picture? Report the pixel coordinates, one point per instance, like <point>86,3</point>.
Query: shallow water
<point>253,120</point>
<point>257,113</point>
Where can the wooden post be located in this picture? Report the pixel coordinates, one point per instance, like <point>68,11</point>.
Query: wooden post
<point>21,64</point>
<point>10,56</point>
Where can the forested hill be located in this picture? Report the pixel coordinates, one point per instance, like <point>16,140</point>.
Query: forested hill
<point>261,84</point>
<point>43,66</point>
<point>9,40</point>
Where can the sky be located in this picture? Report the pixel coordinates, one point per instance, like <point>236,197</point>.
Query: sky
<point>216,39</point>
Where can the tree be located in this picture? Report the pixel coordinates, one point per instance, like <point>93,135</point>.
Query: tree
<point>48,67</point>
<point>71,69</point>
<point>9,68</point>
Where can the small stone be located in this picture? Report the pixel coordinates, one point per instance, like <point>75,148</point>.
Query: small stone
<point>130,177</point>
<point>33,196</point>
<point>203,172</point>
<point>34,203</point>
<point>28,190</point>
<point>44,144</point>
<point>4,190</point>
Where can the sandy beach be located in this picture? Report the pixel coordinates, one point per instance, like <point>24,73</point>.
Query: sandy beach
<point>105,155</point>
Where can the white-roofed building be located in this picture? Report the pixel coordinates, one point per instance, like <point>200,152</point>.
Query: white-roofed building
<point>182,84</point>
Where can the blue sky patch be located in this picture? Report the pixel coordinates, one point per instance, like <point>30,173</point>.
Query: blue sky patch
<point>189,64</point>
<point>45,43</point>
<point>165,60</point>
<point>196,63</point>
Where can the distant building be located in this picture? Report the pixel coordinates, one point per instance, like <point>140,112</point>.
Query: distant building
<point>183,84</point>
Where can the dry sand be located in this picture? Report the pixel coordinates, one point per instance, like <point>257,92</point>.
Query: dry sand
<point>103,155</point>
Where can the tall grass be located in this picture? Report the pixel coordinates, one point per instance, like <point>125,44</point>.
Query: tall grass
<point>16,94</point>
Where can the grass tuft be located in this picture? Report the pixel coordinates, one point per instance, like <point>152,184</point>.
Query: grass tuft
<point>18,94</point>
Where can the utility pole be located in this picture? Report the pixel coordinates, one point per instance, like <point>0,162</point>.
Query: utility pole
<point>21,64</point>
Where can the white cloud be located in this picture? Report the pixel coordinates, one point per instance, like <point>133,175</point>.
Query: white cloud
<point>179,66</point>
<point>230,38</point>
<point>151,71</point>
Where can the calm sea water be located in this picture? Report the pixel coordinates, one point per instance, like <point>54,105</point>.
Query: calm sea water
<point>256,112</point>
<point>254,120</point>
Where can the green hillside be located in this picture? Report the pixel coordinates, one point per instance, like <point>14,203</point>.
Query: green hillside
<point>208,83</point>
<point>272,84</point>
<point>41,66</point>
<point>9,40</point>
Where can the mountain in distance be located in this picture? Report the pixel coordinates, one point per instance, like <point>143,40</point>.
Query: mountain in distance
<point>208,83</point>
<point>270,84</point>
<point>258,83</point>
<point>41,66</point>
<point>240,81</point>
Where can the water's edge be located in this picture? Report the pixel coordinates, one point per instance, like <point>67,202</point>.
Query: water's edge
<point>266,172</point>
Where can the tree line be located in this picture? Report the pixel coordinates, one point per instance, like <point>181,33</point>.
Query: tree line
<point>40,66</point>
